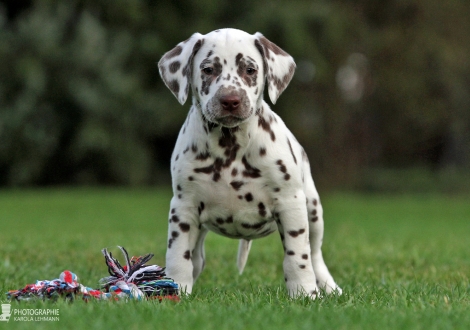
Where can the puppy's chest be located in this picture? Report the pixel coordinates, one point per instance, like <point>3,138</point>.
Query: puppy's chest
<point>233,200</point>
<point>241,214</point>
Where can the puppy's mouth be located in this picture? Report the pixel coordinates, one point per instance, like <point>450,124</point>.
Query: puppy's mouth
<point>229,120</point>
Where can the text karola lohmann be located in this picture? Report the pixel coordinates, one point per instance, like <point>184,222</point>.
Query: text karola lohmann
<point>35,314</point>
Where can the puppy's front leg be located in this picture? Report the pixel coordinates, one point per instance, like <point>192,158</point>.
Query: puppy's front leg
<point>183,232</point>
<point>293,226</point>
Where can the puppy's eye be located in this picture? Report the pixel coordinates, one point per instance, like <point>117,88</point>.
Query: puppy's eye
<point>208,70</point>
<point>250,71</point>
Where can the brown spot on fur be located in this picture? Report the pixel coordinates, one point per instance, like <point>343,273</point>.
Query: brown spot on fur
<point>174,66</point>
<point>266,127</point>
<point>258,225</point>
<point>238,58</point>
<point>200,208</point>
<point>282,167</point>
<point>261,209</point>
<point>291,151</point>
<point>250,171</point>
<point>188,67</point>
<point>203,155</point>
<point>295,233</point>
<point>174,52</point>
<point>174,86</point>
<point>216,168</point>
<point>228,141</point>
<point>184,227</point>
<point>237,184</point>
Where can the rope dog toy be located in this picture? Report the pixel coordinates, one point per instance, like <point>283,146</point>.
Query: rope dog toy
<point>134,280</point>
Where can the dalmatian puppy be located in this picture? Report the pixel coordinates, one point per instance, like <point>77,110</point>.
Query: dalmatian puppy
<point>236,168</point>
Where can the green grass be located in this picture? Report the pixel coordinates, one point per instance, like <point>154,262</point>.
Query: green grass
<point>403,263</point>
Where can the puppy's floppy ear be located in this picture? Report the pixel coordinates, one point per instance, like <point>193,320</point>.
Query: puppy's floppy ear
<point>176,66</point>
<point>279,66</point>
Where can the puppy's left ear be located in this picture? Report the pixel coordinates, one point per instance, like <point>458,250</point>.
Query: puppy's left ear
<point>279,66</point>
<point>176,66</point>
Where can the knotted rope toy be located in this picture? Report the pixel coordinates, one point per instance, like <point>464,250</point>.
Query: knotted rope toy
<point>134,280</point>
<point>66,286</point>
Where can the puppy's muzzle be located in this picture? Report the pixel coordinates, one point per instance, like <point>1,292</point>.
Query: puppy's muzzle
<point>229,106</point>
<point>230,103</point>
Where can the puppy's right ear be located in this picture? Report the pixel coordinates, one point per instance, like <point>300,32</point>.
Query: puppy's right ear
<point>176,66</point>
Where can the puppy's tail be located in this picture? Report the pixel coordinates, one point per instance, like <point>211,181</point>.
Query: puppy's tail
<point>243,250</point>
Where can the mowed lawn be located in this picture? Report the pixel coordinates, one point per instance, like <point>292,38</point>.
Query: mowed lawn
<point>403,262</point>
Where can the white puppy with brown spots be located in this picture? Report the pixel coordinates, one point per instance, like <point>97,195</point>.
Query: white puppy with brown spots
<point>236,168</point>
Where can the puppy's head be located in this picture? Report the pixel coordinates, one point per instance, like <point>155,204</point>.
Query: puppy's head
<point>226,70</point>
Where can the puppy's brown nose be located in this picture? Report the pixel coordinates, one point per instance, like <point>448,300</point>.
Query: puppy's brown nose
<point>230,102</point>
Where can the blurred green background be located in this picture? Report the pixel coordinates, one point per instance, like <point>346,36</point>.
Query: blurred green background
<point>380,99</point>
